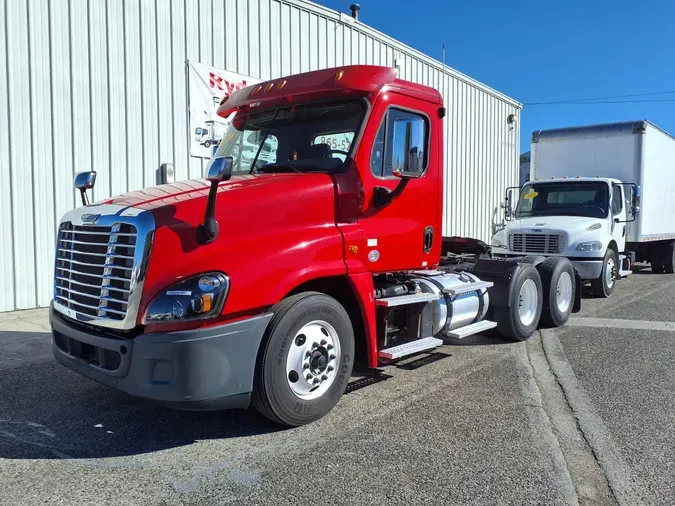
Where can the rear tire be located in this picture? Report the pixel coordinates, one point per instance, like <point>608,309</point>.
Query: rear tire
<point>305,361</point>
<point>669,258</point>
<point>604,285</point>
<point>519,321</point>
<point>656,260</point>
<point>557,280</point>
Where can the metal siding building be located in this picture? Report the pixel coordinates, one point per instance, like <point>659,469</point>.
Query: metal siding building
<point>101,84</point>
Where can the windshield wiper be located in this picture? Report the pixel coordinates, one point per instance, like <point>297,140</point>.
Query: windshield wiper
<point>280,165</point>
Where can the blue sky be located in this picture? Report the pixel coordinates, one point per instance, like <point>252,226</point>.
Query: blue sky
<point>539,51</point>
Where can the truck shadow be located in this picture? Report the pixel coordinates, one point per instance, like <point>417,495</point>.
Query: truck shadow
<point>49,412</point>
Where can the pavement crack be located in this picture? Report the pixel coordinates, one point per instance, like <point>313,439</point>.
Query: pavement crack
<point>588,478</point>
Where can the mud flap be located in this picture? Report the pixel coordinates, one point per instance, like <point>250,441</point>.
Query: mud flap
<point>502,275</point>
<point>576,307</point>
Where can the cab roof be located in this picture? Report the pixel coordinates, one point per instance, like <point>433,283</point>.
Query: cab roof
<point>350,80</point>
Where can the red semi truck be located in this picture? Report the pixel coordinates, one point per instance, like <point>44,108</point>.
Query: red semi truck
<point>264,282</point>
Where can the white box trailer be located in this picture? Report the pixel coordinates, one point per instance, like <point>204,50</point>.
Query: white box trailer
<point>601,195</point>
<point>632,152</point>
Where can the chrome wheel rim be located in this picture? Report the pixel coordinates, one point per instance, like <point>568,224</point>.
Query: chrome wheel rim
<point>311,364</point>
<point>609,273</point>
<point>563,292</point>
<point>527,302</point>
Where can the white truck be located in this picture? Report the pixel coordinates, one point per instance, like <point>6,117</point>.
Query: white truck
<point>602,196</point>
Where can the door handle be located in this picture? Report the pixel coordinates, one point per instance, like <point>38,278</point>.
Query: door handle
<point>428,238</point>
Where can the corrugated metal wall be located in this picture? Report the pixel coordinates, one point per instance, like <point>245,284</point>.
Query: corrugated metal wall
<point>102,84</point>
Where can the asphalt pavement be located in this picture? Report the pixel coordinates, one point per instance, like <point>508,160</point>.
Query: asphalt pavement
<point>579,415</point>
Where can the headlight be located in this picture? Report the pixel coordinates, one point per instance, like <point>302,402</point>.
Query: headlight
<point>195,298</point>
<point>589,246</point>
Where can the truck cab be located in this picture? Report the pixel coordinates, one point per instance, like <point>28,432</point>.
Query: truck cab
<point>581,218</point>
<point>264,282</point>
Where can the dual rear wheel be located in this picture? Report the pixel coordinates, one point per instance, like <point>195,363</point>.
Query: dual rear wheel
<point>544,290</point>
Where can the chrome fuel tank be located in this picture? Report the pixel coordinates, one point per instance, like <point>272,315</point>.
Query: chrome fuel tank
<point>449,313</point>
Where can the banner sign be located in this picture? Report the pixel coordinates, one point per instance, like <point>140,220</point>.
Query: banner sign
<point>207,86</point>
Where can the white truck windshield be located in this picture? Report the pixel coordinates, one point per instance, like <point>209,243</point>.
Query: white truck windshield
<point>304,137</point>
<point>589,199</point>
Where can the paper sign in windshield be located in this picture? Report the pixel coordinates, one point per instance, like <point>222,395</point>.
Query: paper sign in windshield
<point>530,195</point>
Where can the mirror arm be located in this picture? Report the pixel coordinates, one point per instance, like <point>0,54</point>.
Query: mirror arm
<point>208,231</point>
<point>85,199</point>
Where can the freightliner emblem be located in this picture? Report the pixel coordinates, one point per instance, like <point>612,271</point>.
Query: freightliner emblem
<point>90,218</point>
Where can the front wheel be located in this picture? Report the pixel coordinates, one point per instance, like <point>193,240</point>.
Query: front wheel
<point>306,360</point>
<point>520,319</point>
<point>604,285</point>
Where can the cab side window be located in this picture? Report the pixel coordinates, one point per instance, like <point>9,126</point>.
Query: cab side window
<point>401,144</point>
<point>616,200</point>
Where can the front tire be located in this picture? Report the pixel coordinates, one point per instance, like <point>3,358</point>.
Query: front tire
<point>520,319</point>
<point>306,359</point>
<point>604,285</point>
<point>557,279</point>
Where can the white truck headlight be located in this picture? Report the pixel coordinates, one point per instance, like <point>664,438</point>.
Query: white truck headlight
<point>589,246</point>
<point>195,298</point>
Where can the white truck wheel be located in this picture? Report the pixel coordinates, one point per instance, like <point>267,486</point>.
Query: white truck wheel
<point>604,285</point>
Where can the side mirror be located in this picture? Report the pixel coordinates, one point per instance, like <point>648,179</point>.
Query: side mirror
<point>410,138</point>
<point>220,169</point>
<point>508,203</point>
<point>84,181</point>
<point>636,200</point>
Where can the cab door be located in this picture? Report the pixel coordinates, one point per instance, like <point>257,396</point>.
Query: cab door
<point>619,214</point>
<point>400,217</point>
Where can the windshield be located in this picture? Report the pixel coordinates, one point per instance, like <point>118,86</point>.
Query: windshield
<point>589,199</point>
<point>316,137</point>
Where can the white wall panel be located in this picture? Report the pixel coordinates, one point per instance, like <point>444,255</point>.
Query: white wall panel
<point>102,84</point>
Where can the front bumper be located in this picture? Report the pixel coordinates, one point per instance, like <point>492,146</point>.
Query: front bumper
<point>588,269</point>
<point>204,369</point>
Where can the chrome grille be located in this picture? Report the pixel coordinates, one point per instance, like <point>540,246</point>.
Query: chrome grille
<point>537,243</point>
<point>94,269</point>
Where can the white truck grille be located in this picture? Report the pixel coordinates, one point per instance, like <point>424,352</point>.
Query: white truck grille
<point>537,243</point>
<point>93,270</point>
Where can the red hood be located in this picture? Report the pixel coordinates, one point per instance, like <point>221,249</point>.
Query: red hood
<point>267,187</point>
<point>272,228</point>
